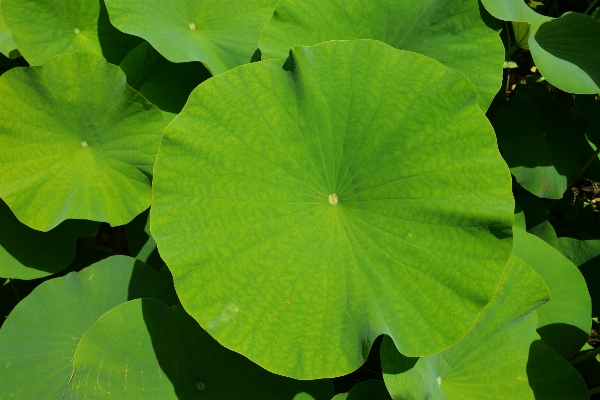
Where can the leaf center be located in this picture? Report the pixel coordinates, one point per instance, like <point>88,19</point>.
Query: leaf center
<point>333,198</point>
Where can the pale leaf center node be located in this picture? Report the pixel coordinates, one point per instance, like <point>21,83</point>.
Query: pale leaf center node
<point>192,26</point>
<point>439,380</point>
<point>84,144</point>
<point>333,199</point>
<point>200,386</point>
<point>77,31</point>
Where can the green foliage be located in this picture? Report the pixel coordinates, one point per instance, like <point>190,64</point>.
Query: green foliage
<point>205,199</point>
<point>307,169</point>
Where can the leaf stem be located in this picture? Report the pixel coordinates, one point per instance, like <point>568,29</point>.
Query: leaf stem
<point>590,7</point>
<point>584,357</point>
<point>511,51</point>
<point>594,390</point>
<point>590,161</point>
<point>15,290</point>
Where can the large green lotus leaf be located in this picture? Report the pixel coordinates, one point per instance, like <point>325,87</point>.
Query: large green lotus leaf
<point>165,84</point>
<point>45,28</point>
<point>220,33</point>
<point>565,322</point>
<point>585,254</point>
<point>490,362</point>
<point>367,390</point>
<point>29,254</point>
<point>566,50</point>
<point>39,338</point>
<point>458,33</point>
<point>76,142</point>
<point>319,208</point>
<point>164,354</point>
<point>7,44</point>
<point>542,142</point>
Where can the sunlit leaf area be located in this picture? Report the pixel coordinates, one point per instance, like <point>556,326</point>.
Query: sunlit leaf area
<point>299,199</point>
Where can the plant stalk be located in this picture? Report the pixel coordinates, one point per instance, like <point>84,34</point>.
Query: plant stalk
<point>594,390</point>
<point>591,7</point>
<point>590,161</point>
<point>584,357</point>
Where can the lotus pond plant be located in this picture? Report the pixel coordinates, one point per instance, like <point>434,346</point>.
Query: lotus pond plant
<point>299,200</point>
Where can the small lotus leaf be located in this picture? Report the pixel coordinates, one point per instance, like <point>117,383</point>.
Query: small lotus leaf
<point>29,254</point>
<point>45,28</point>
<point>221,33</point>
<point>39,338</point>
<point>274,193</point>
<point>566,50</point>
<point>164,354</point>
<point>565,322</point>
<point>458,33</point>
<point>76,142</point>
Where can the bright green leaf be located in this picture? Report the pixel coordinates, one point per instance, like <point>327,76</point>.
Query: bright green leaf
<point>565,322</point>
<point>543,144</point>
<point>7,44</point>
<point>45,28</point>
<point>566,50</point>
<point>490,362</point>
<point>585,254</point>
<point>221,33</point>
<point>164,354</point>
<point>521,30</point>
<point>458,33</point>
<point>333,203</point>
<point>76,142</point>
<point>29,254</point>
<point>39,338</point>
<point>165,84</point>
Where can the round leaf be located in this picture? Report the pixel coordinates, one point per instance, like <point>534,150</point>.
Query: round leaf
<point>566,50</point>
<point>565,322</point>
<point>39,338</point>
<point>76,141</point>
<point>458,33</point>
<point>165,84</point>
<point>29,254</point>
<point>45,28</point>
<point>221,33</point>
<point>164,354</point>
<point>322,207</point>
<point>490,362</point>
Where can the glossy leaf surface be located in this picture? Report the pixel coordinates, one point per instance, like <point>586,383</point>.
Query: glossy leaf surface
<point>275,220</point>
<point>220,33</point>
<point>458,33</point>
<point>164,354</point>
<point>76,141</point>
<point>39,338</point>
<point>45,28</point>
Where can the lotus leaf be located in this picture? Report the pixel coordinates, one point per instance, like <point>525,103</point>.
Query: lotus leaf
<point>164,354</point>
<point>566,50</point>
<point>458,33</point>
<point>565,322</point>
<point>221,33</point>
<point>76,142</point>
<point>39,338</point>
<point>7,44</point>
<point>274,193</point>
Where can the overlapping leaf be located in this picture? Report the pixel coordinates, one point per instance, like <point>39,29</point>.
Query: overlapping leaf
<point>45,28</point>
<point>565,322</point>
<point>566,50</point>
<point>29,254</point>
<point>164,354</point>
<point>458,33</point>
<point>367,390</point>
<point>76,142</point>
<point>318,208</point>
<point>7,44</point>
<point>165,84</point>
<point>39,338</point>
<point>500,358</point>
<point>221,33</point>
